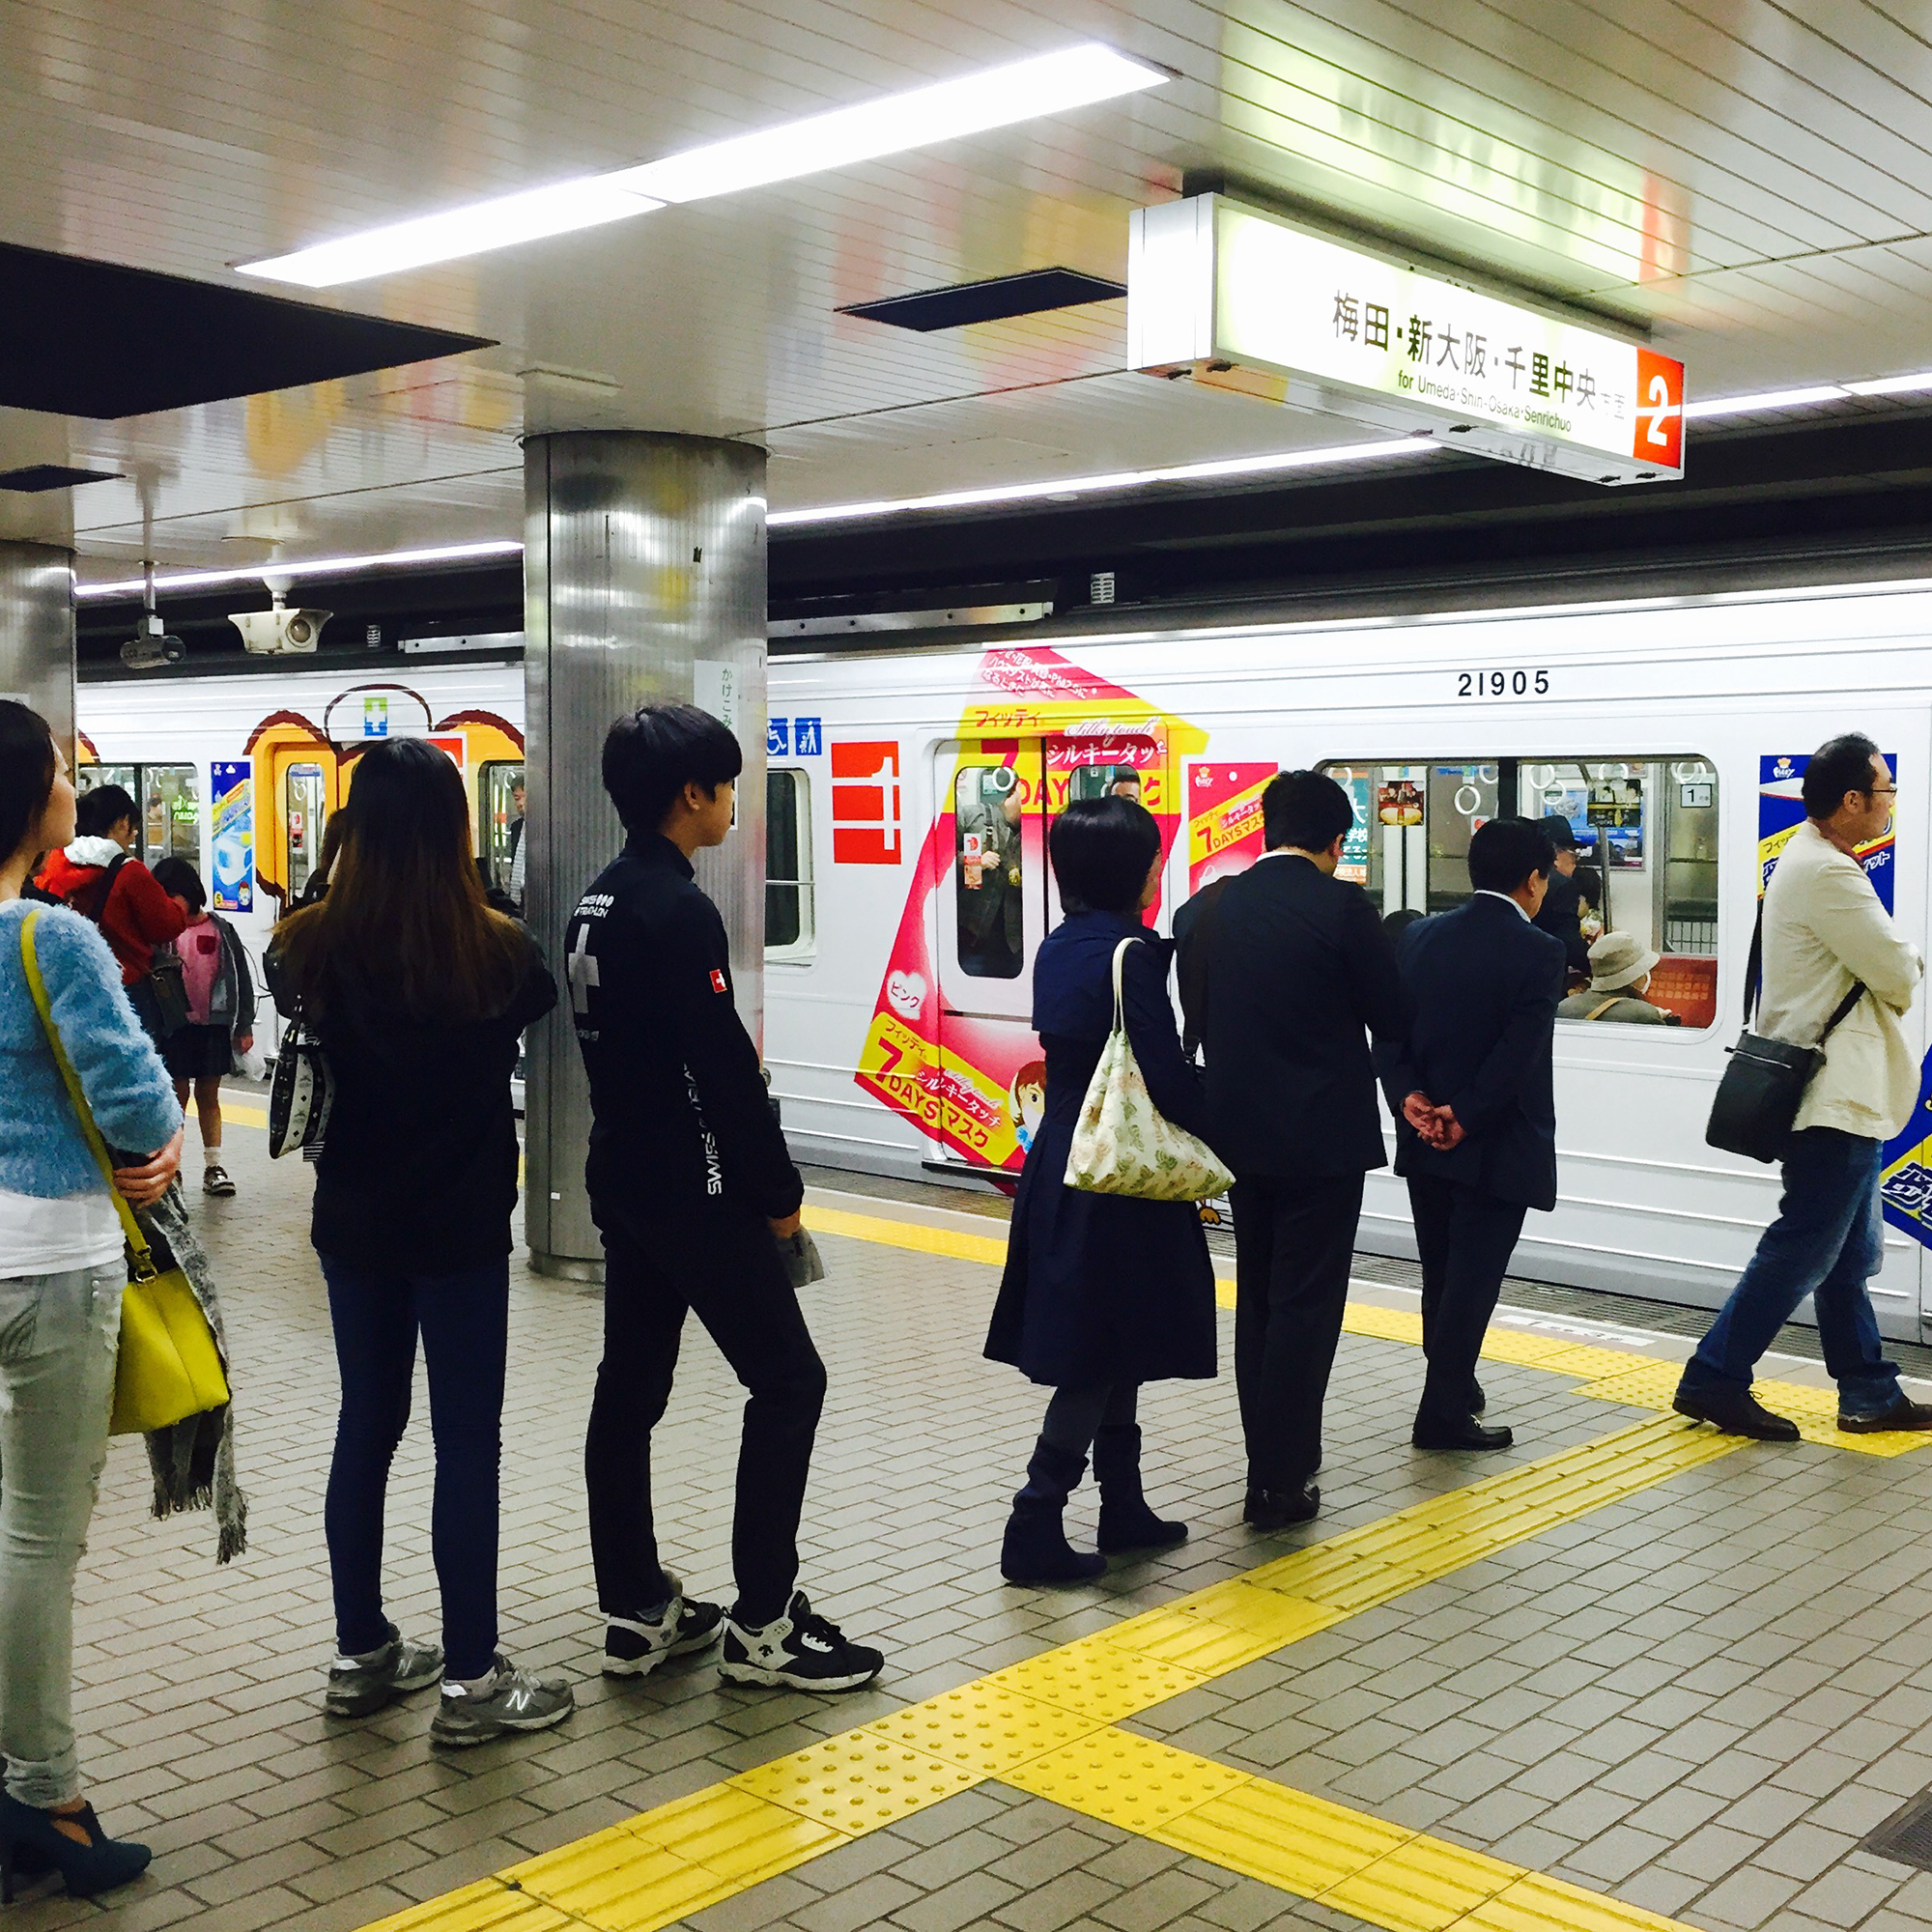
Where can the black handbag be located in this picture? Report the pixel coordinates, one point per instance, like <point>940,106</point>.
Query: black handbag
<point>303,1092</point>
<point>1764,1083</point>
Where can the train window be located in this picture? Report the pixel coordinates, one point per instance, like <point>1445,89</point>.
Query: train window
<point>789,925</point>
<point>304,813</point>
<point>989,872</point>
<point>170,798</point>
<point>168,806</point>
<point>1646,865</point>
<point>500,823</point>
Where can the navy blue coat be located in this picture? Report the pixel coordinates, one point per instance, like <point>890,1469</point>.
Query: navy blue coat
<point>1102,1288</point>
<point>1484,983</point>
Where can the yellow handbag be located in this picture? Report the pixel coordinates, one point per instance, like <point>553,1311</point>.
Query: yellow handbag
<point>169,1368</point>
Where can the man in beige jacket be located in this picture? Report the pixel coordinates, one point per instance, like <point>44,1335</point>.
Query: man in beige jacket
<point>1825,932</point>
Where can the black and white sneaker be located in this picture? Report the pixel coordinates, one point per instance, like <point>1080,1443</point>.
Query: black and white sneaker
<point>360,1685</point>
<point>508,1700</point>
<point>634,1646</point>
<point>798,1649</point>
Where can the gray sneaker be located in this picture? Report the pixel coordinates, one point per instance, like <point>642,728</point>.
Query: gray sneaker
<point>512,1700</point>
<point>358,1685</point>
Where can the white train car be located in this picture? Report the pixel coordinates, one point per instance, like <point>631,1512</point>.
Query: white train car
<point>909,794</point>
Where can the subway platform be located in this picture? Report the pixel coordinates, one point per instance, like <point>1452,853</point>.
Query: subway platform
<point>1629,1674</point>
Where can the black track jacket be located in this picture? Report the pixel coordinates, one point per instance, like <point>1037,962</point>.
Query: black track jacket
<point>680,1118</point>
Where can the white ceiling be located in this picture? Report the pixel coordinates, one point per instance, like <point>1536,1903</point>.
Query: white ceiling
<point>1754,180</point>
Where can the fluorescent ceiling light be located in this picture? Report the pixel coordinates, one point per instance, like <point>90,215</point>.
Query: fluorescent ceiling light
<point>1769,399</point>
<point>501,223</point>
<point>1892,386</point>
<point>1118,479</point>
<point>319,566</point>
<point>1049,84</point>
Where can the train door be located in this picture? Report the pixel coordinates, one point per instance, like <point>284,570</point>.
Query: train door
<point>304,817</point>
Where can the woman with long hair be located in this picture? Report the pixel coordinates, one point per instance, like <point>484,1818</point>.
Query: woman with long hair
<point>419,994</point>
<point>61,1277</point>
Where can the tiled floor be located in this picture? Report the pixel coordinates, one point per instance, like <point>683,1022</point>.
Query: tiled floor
<point>1695,1698</point>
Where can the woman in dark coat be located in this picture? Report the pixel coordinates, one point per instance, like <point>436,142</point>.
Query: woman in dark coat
<point>1101,1291</point>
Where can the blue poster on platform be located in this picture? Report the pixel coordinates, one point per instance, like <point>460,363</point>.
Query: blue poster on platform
<point>231,793</point>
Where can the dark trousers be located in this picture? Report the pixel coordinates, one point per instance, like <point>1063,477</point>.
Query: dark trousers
<point>727,1268</point>
<point>1293,1242</point>
<point>464,1321</point>
<point>1464,1238</point>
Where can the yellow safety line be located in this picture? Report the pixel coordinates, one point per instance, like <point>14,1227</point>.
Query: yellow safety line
<point>1383,1874</point>
<point>243,1116</point>
<point>695,1850</point>
<point>1609,1374</point>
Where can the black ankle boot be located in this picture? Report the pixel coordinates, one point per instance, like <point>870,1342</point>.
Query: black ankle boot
<point>1125,1521</point>
<point>31,1840</point>
<point>1035,1549</point>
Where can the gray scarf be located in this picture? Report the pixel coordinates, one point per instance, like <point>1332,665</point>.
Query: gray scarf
<point>193,1461</point>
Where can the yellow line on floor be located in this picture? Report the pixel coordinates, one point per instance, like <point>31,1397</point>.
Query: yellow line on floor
<point>1608,1374</point>
<point>681,1857</point>
<point>1384,1874</point>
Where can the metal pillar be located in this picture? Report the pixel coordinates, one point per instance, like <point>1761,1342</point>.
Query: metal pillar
<point>643,582</point>
<point>37,645</point>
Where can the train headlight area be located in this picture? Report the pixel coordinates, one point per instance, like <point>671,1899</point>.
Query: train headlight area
<point>983,418</point>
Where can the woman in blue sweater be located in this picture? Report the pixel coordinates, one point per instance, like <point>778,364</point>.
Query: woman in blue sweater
<point>61,1275</point>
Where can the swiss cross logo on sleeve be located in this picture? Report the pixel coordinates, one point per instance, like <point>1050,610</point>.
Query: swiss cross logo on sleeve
<point>717,985</point>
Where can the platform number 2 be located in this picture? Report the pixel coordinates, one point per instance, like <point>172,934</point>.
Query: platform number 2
<point>1658,408</point>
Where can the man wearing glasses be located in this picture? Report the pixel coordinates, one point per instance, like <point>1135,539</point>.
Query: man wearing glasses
<point>1825,934</point>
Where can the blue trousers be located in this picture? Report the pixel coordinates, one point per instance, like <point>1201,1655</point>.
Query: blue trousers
<point>464,1321</point>
<point>1827,1242</point>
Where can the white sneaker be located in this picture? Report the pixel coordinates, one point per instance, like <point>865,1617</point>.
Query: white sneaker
<point>798,1649</point>
<point>634,1646</point>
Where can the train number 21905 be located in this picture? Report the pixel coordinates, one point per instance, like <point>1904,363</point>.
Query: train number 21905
<point>1502,683</point>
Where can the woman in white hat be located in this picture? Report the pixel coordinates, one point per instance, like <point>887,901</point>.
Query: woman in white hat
<point>1620,970</point>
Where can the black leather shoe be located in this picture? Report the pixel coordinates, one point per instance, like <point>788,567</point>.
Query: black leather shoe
<point>1269,1510</point>
<point>1737,1412</point>
<point>1904,1413</point>
<point>1461,1433</point>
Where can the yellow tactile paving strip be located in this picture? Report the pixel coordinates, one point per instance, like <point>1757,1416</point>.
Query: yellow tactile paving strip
<point>1613,1375</point>
<point>1048,1726</point>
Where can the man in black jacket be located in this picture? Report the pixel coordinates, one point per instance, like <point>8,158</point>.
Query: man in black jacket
<point>692,1187</point>
<point>1476,1116</point>
<point>1296,966</point>
<point>1562,913</point>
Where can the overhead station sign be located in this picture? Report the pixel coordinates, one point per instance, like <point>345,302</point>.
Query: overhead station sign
<point>1242,300</point>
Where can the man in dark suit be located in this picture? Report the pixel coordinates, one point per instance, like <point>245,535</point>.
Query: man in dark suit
<point>1470,1088</point>
<point>1295,968</point>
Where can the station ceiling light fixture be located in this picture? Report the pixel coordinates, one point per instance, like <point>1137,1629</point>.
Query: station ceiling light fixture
<point>1817,392</point>
<point>319,566</point>
<point>1068,487</point>
<point>976,103</point>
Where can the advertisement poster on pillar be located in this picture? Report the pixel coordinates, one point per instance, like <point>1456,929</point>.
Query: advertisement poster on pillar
<point>231,794</point>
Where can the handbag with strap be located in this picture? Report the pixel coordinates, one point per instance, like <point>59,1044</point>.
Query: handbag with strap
<point>1121,1143</point>
<point>303,1093</point>
<point>1764,1083</point>
<point>168,1367</point>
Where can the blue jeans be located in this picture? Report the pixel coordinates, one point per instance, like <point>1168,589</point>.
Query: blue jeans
<point>58,1337</point>
<point>1827,1242</point>
<point>463,1321</point>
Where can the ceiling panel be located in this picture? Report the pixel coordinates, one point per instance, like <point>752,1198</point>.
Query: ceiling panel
<point>1752,180</point>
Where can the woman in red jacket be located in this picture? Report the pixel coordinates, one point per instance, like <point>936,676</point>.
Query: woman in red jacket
<point>99,878</point>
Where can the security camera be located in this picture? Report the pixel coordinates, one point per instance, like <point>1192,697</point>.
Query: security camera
<point>280,631</point>
<point>151,647</point>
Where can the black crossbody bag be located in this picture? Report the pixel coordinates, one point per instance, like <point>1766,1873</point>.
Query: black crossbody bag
<point>1765,1079</point>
